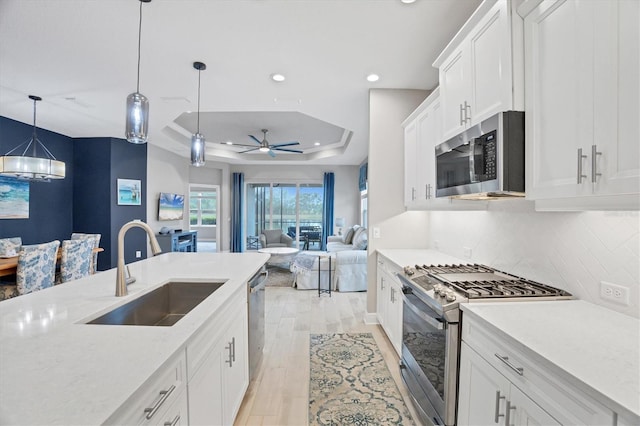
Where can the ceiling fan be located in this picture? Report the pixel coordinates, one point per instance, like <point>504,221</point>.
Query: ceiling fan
<point>265,147</point>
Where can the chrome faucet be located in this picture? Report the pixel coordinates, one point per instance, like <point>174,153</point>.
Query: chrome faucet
<point>123,278</point>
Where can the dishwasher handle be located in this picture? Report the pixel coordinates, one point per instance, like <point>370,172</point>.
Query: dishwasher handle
<point>258,281</point>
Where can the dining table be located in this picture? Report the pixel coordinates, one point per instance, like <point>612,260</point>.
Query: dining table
<point>9,265</point>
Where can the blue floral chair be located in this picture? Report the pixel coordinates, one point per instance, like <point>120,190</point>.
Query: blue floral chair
<point>76,259</point>
<point>96,243</point>
<point>36,267</point>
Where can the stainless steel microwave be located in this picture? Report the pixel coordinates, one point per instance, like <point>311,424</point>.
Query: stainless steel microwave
<point>485,161</point>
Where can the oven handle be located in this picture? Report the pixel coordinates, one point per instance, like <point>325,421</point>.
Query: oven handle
<point>433,322</point>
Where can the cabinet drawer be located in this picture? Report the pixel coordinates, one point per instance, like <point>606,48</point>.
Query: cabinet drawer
<point>152,399</point>
<point>559,398</point>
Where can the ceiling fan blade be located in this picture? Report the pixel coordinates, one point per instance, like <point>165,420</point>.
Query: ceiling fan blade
<point>271,153</point>
<point>255,139</point>
<point>285,144</point>
<point>288,150</point>
<point>248,150</point>
<point>237,144</point>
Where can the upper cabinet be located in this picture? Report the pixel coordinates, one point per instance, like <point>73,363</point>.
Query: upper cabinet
<point>481,70</point>
<point>582,104</point>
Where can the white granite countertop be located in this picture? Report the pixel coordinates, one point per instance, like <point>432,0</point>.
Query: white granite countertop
<point>590,346</point>
<point>55,369</point>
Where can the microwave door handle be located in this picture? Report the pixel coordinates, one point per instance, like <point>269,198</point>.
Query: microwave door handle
<point>433,322</point>
<point>473,176</point>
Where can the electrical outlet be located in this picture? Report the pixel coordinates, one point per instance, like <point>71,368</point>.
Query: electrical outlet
<point>376,232</point>
<point>138,254</point>
<point>614,293</point>
<point>467,252</point>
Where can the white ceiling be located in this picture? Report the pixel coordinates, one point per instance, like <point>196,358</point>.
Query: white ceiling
<point>80,56</point>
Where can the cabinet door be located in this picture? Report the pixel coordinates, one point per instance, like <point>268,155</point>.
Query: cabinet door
<point>483,391</point>
<point>394,315</point>
<point>490,69</point>
<point>559,97</point>
<point>617,98</point>
<point>235,367</point>
<point>523,411</point>
<point>410,142</point>
<point>205,392</point>
<point>454,92</point>
<point>381,297</point>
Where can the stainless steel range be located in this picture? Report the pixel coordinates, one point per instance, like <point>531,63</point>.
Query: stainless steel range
<point>431,326</point>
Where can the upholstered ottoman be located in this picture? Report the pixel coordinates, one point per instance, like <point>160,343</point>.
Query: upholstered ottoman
<point>305,269</point>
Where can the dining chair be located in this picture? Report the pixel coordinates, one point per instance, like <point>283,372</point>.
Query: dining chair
<point>96,243</point>
<point>10,247</point>
<point>75,260</point>
<point>36,267</point>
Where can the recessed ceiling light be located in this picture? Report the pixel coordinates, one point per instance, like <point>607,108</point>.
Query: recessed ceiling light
<point>373,77</point>
<point>317,144</point>
<point>277,77</point>
<point>229,143</point>
<point>408,1</point>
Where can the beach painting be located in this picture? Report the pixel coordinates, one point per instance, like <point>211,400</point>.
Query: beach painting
<point>129,192</point>
<point>14,198</point>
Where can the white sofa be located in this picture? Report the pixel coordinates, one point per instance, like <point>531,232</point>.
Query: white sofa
<point>348,263</point>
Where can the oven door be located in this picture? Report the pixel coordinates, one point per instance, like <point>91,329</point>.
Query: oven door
<point>429,363</point>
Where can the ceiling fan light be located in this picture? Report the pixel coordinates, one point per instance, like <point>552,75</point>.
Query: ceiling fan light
<point>197,150</point>
<point>263,149</point>
<point>277,77</point>
<point>137,126</point>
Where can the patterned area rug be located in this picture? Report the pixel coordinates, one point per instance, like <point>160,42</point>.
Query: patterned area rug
<point>351,384</point>
<point>279,277</point>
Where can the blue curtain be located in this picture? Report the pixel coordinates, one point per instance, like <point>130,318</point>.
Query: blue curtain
<point>362,179</point>
<point>236,212</point>
<point>327,208</point>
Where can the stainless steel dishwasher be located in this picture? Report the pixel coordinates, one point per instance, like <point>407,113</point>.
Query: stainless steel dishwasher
<point>255,287</point>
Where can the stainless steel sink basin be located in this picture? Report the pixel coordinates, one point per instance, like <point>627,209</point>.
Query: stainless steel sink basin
<point>164,306</point>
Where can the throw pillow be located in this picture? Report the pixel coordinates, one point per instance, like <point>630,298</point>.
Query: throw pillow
<point>360,239</point>
<point>348,236</point>
<point>10,247</point>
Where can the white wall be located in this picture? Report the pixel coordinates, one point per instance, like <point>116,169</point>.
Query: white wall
<point>388,108</point>
<point>346,193</point>
<point>573,251</point>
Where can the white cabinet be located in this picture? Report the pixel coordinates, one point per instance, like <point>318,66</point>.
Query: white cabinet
<point>217,361</point>
<point>410,163</point>
<point>501,383</point>
<point>481,69</point>
<point>487,397</point>
<point>582,104</point>
<point>162,398</point>
<point>389,301</point>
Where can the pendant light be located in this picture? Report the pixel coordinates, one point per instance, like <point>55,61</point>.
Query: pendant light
<point>197,140</point>
<point>137,125</point>
<point>32,167</point>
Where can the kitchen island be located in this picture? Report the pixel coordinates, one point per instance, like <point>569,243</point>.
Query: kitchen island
<point>56,369</point>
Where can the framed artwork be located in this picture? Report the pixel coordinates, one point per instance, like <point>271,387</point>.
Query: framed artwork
<point>129,192</point>
<point>14,198</point>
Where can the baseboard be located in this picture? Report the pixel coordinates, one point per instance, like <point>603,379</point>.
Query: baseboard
<point>371,318</point>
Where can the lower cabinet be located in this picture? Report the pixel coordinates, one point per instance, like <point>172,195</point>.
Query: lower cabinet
<point>487,397</point>
<point>502,384</point>
<point>389,302</point>
<point>218,367</point>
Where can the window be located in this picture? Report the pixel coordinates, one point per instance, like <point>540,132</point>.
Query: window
<point>203,208</point>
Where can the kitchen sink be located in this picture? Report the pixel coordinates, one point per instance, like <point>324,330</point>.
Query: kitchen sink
<point>163,306</point>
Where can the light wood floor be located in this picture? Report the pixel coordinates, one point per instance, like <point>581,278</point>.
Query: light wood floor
<point>279,393</point>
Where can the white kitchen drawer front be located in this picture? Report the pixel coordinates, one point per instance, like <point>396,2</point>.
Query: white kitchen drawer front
<point>176,414</point>
<point>152,399</point>
<point>200,345</point>
<point>560,399</point>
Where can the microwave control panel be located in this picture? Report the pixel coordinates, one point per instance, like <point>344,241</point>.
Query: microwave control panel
<point>489,151</point>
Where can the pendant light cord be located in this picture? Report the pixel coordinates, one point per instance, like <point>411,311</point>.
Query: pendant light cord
<point>139,41</point>
<point>198,126</point>
<point>34,138</point>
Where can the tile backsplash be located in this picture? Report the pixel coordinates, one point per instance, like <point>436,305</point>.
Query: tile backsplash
<point>574,251</point>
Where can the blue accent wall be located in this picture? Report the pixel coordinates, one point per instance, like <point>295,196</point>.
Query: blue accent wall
<point>86,200</point>
<point>50,204</point>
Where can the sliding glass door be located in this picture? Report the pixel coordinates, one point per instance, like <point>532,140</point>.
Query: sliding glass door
<point>294,208</point>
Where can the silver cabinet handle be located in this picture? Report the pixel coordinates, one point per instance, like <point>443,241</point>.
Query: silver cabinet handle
<point>381,283</point>
<point>497,415</point>
<point>391,294</point>
<point>467,107</point>
<point>164,394</point>
<point>507,413</point>
<point>230,360</point>
<point>594,165</point>
<point>462,111</point>
<point>233,350</point>
<point>580,158</point>
<point>505,359</point>
<point>174,422</point>
<point>413,194</point>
